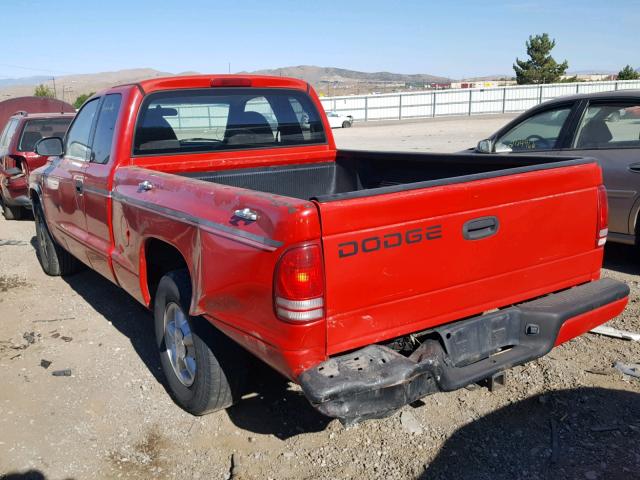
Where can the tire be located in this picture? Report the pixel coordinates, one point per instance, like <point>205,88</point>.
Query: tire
<point>210,368</point>
<point>54,259</point>
<point>12,213</point>
<point>346,124</point>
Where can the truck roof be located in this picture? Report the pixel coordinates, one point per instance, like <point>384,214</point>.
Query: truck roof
<point>230,80</point>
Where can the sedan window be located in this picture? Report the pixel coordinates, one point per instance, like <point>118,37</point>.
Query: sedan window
<point>538,132</point>
<point>609,126</point>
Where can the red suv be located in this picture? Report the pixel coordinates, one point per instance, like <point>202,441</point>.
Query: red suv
<point>18,157</point>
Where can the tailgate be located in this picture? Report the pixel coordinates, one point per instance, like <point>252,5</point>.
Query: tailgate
<point>403,262</point>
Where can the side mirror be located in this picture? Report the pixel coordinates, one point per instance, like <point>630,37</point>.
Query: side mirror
<point>50,147</point>
<point>485,146</point>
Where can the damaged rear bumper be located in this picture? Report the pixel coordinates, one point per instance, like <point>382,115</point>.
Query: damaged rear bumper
<point>375,381</point>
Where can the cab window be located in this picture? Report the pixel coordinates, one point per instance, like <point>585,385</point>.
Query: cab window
<point>103,138</point>
<point>77,144</point>
<point>538,132</point>
<point>210,120</point>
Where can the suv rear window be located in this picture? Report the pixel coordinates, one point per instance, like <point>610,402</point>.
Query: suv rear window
<point>35,130</point>
<point>225,119</point>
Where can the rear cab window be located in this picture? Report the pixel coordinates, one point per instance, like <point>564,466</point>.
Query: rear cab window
<point>206,120</point>
<point>37,129</point>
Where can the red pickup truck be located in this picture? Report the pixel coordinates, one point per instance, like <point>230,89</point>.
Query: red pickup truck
<point>372,279</point>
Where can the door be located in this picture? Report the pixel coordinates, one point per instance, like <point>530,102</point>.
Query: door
<point>609,131</point>
<point>97,187</point>
<point>64,185</point>
<point>6,162</point>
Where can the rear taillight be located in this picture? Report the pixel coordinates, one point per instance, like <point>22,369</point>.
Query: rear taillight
<point>299,285</point>
<point>602,228</point>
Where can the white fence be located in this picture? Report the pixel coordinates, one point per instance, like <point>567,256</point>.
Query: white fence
<point>471,101</point>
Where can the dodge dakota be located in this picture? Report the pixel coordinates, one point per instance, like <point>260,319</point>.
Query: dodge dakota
<point>371,279</point>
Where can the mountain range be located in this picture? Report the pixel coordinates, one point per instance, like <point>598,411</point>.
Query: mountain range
<point>327,80</point>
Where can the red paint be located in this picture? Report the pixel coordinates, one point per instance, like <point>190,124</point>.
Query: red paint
<point>576,326</point>
<point>546,242</point>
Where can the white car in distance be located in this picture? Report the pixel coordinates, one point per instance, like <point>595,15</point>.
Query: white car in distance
<point>337,120</point>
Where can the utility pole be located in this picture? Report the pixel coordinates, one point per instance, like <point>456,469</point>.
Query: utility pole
<point>229,69</point>
<point>55,92</point>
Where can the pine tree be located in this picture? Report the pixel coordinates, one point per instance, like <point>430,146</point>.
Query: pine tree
<point>541,67</point>
<point>628,73</point>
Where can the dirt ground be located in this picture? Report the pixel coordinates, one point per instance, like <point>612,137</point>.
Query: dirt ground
<point>569,415</point>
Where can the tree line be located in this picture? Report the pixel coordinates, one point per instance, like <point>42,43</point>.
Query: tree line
<point>43,90</point>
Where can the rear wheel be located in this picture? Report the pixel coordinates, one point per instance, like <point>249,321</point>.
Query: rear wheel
<point>346,124</point>
<point>53,259</point>
<point>205,370</point>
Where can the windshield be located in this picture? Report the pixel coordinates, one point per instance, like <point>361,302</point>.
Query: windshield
<point>35,130</point>
<point>224,119</point>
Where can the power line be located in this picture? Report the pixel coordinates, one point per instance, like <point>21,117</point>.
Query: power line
<point>49,72</point>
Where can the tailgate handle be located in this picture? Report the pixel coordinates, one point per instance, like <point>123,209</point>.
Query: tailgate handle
<point>480,228</point>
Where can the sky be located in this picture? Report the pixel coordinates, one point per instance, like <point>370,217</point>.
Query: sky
<point>450,38</point>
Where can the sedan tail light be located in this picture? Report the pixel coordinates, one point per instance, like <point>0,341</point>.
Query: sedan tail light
<point>602,227</point>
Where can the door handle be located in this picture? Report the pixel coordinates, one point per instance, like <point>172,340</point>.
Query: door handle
<point>480,228</point>
<point>145,186</point>
<point>79,182</point>
<point>246,214</point>
<point>635,167</point>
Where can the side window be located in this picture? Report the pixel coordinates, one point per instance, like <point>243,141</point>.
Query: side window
<point>103,138</point>
<point>8,133</point>
<point>77,144</point>
<point>538,132</point>
<point>609,126</point>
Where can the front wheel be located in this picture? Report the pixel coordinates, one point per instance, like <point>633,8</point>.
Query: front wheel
<point>346,124</point>
<point>205,370</point>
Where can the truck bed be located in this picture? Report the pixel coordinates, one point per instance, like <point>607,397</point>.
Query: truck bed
<point>357,173</point>
<point>398,255</point>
